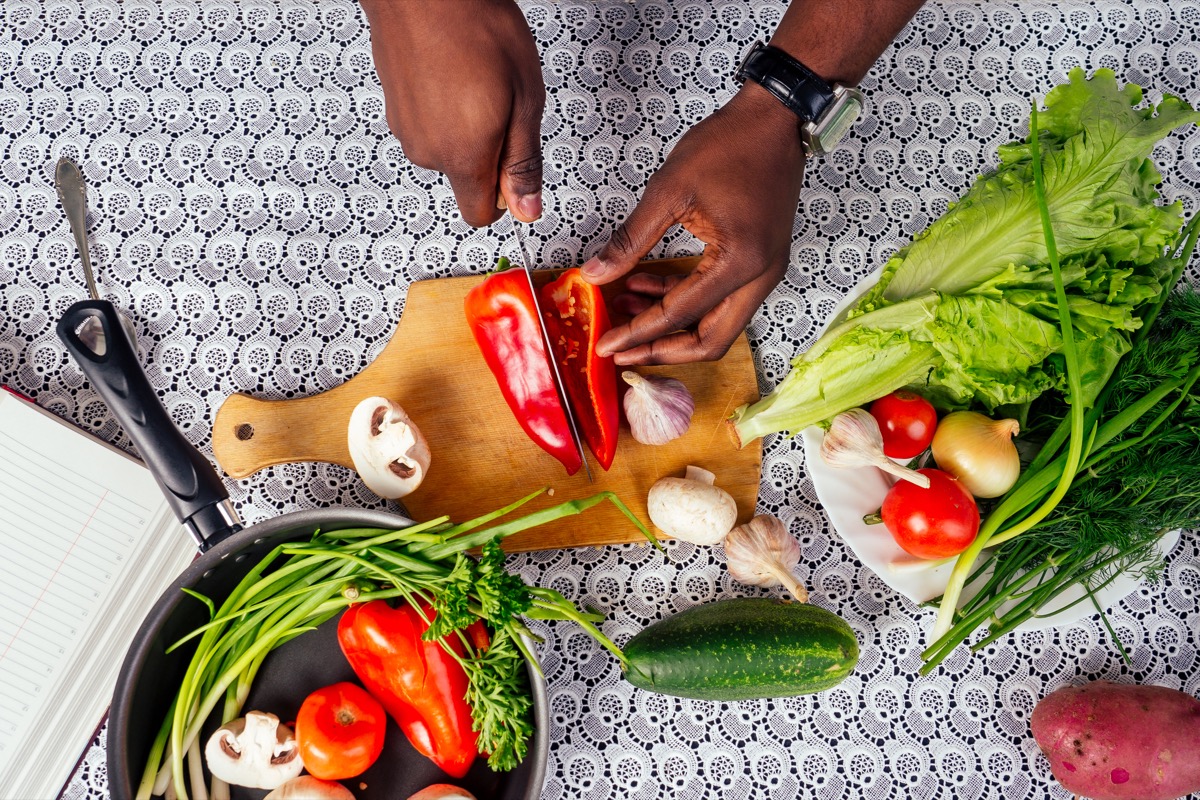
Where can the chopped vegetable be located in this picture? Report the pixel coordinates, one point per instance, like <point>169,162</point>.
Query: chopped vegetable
<point>854,440</point>
<point>763,553</point>
<point>968,313</point>
<point>1118,742</point>
<point>422,684</point>
<point>300,585</point>
<point>933,522</point>
<point>979,451</point>
<point>389,452</point>
<point>659,409</point>
<point>907,423</point>
<point>340,729</point>
<point>254,751</point>
<point>691,508</point>
<point>576,318</point>
<point>504,321</point>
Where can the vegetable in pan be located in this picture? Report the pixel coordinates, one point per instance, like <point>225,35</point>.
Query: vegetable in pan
<point>299,586</point>
<point>967,314</point>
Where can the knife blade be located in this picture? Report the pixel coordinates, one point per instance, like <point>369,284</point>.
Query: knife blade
<point>558,381</point>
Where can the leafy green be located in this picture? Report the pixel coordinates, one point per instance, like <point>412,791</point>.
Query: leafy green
<point>967,313</point>
<point>1100,189</point>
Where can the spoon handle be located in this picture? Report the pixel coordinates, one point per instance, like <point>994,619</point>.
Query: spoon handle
<point>72,193</point>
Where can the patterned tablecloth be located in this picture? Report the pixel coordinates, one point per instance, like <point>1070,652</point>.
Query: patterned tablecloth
<point>253,213</point>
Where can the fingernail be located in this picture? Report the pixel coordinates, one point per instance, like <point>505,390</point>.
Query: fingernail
<point>501,202</point>
<point>593,268</point>
<point>530,206</point>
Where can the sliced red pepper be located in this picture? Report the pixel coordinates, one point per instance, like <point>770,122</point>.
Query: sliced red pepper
<point>503,319</point>
<point>576,318</point>
<point>420,685</point>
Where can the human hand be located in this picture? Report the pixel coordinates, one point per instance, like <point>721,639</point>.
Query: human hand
<point>464,93</point>
<point>732,181</point>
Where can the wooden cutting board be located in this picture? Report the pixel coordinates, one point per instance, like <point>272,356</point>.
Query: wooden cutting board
<point>481,459</point>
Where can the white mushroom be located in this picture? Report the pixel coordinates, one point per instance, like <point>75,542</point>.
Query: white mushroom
<point>306,787</point>
<point>691,508</point>
<point>254,751</point>
<point>389,452</point>
<point>442,791</point>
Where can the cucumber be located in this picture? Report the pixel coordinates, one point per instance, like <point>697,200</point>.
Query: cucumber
<point>742,649</point>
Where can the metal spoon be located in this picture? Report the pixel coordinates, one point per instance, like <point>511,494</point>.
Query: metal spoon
<point>72,193</point>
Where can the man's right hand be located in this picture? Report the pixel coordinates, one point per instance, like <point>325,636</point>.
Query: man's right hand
<point>463,86</point>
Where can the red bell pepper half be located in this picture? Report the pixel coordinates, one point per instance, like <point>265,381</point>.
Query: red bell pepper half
<point>503,320</point>
<point>420,685</point>
<point>576,318</point>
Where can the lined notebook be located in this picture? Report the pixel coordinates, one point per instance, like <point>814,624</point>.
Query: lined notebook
<point>87,544</point>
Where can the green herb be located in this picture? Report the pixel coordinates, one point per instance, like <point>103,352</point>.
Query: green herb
<point>1140,479</point>
<point>298,586</point>
<point>968,313</point>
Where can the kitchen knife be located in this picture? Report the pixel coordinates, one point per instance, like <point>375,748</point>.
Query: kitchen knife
<point>558,381</point>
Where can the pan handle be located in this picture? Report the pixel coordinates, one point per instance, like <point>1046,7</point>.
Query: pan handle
<point>191,485</point>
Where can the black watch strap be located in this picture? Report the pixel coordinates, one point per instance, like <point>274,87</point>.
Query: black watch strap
<point>795,85</point>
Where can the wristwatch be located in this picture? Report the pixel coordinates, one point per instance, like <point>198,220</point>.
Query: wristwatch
<point>826,112</point>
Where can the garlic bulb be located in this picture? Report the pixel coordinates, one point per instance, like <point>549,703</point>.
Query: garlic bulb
<point>691,508</point>
<point>658,409</point>
<point>763,553</point>
<point>979,451</point>
<point>854,440</point>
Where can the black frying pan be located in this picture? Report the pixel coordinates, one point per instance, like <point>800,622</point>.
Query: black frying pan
<point>149,678</point>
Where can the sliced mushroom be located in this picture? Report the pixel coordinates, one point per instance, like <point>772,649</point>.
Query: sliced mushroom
<point>254,751</point>
<point>388,450</point>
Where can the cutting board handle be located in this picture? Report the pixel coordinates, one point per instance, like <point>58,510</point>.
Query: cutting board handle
<point>251,434</point>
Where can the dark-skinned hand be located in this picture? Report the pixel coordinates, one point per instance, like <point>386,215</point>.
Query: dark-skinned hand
<point>733,181</point>
<point>463,86</point>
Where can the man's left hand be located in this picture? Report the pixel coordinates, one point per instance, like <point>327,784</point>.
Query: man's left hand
<point>733,181</point>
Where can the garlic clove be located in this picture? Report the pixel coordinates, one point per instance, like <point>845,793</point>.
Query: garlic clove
<point>763,553</point>
<point>692,508</point>
<point>658,409</point>
<point>854,440</point>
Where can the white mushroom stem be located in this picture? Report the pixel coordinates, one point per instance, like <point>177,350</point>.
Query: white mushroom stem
<point>692,508</point>
<point>389,452</point>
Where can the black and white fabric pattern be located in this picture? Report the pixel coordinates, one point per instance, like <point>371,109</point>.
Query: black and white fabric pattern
<point>253,214</point>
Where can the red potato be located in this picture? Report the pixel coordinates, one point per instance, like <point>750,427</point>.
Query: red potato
<point>1111,741</point>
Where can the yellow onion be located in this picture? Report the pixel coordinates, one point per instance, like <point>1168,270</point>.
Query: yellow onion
<point>979,451</point>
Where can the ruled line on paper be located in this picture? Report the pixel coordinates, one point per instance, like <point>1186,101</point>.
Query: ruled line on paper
<point>53,575</point>
<point>38,460</point>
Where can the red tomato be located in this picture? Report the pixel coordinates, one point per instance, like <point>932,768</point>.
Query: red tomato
<point>907,422</point>
<point>937,522</point>
<point>340,731</point>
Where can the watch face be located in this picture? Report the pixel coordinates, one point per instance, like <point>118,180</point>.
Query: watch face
<point>837,120</point>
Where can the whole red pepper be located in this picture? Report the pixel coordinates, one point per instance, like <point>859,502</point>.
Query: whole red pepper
<point>420,685</point>
<point>503,319</point>
<point>576,318</point>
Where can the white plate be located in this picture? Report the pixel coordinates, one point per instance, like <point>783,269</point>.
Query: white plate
<point>850,494</point>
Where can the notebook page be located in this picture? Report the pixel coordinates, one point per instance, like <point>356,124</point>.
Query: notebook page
<point>83,527</point>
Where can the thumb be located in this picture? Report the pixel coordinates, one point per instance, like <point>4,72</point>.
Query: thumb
<point>633,238</point>
<point>521,167</point>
